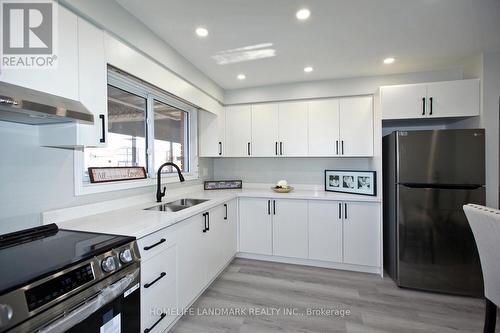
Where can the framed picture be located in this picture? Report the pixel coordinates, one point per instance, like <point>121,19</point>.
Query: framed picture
<point>349,181</point>
<point>223,184</point>
<point>113,174</point>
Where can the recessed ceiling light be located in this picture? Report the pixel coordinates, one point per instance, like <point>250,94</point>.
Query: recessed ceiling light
<point>241,76</point>
<point>308,69</point>
<point>303,14</point>
<point>202,32</point>
<point>389,60</point>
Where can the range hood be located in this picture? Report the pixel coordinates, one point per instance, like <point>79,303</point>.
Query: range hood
<point>28,106</point>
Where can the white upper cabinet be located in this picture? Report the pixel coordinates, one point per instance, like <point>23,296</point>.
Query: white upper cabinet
<point>92,93</point>
<point>431,100</point>
<point>92,83</point>
<point>323,127</point>
<point>239,131</point>
<point>453,99</point>
<point>403,102</point>
<point>62,79</point>
<point>356,126</point>
<point>265,135</point>
<point>212,133</point>
<point>293,129</point>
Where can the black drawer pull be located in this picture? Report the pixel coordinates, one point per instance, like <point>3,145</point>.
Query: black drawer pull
<point>205,228</point>
<point>430,100</point>
<point>147,285</point>
<point>147,330</point>
<point>163,240</point>
<point>225,206</point>
<point>423,106</point>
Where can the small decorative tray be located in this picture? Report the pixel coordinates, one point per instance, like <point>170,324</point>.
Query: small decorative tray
<point>282,189</point>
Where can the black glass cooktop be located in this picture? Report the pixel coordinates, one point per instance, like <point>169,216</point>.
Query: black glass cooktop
<point>28,255</point>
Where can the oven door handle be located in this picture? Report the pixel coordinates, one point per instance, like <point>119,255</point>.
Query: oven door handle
<point>86,309</point>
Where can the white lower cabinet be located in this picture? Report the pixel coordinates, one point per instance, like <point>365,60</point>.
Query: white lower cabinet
<point>290,228</point>
<point>362,233</point>
<point>325,231</point>
<point>159,290</point>
<point>333,231</point>
<point>256,226</point>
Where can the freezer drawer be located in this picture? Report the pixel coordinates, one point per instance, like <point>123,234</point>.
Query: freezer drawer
<point>436,248</point>
<point>441,157</point>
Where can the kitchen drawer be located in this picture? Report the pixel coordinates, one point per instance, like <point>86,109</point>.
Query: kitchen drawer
<point>153,244</point>
<point>162,301</point>
<point>160,272</point>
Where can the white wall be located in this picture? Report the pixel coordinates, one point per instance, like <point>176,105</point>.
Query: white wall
<point>331,88</point>
<point>110,16</point>
<point>34,179</point>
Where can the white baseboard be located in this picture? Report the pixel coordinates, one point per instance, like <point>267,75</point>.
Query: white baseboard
<point>309,262</point>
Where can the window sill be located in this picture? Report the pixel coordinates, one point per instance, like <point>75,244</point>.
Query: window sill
<point>88,188</point>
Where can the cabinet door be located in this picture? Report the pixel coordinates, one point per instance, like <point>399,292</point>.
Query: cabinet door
<point>325,230</point>
<point>403,102</point>
<point>362,233</point>
<point>293,128</point>
<point>61,80</point>
<point>239,131</point>
<point>265,130</point>
<point>290,228</point>
<point>211,133</point>
<point>228,243</point>
<point>255,226</point>
<point>356,126</point>
<point>453,98</point>
<point>323,126</point>
<point>215,237</point>
<point>191,259</point>
<point>92,83</point>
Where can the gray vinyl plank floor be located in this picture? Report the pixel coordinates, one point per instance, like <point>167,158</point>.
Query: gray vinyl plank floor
<point>253,296</point>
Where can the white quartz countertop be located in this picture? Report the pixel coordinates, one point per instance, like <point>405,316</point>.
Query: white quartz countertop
<point>135,221</point>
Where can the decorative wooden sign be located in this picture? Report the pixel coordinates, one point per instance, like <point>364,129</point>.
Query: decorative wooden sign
<point>113,174</point>
<point>223,184</point>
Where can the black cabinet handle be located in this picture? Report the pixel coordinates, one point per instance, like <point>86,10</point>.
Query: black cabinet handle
<point>342,147</point>
<point>248,149</point>
<point>423,106</point>
<point>281,148</point>
<point>345,211</point>
<point>162,275</point>
<point>225,217</point>
<point>430,111</point>
<point>340,211</point>
<point>337,147</point>
<point>274,207</point>
<point>205,222</point>
<point>208,221</point>
<point>268,207</point>
<point>220,148</point>
<point>276,148</point>
<point>163,240</point>
<point>147,330</point>
<point>103,129</point>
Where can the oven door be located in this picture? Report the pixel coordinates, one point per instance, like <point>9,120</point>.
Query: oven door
<point>111,306</point>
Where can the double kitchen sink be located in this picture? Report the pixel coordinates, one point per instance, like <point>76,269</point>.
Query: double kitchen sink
<point>177,205</point>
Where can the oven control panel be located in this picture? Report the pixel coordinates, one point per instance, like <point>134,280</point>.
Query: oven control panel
<point>58,286</point>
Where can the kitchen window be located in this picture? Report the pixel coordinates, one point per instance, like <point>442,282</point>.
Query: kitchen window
<point>146,127</point>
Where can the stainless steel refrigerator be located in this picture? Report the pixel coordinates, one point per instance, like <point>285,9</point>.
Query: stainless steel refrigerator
<point>428,177</point>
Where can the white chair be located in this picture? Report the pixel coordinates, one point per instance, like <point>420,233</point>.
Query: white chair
<point>485,225</point>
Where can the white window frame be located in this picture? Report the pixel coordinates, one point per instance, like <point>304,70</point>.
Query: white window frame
<point>82,183</point>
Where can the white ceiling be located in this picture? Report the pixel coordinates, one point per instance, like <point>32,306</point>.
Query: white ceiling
<point>342,38</point>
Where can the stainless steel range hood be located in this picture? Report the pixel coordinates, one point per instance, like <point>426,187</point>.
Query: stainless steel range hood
<point>27,106</point>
